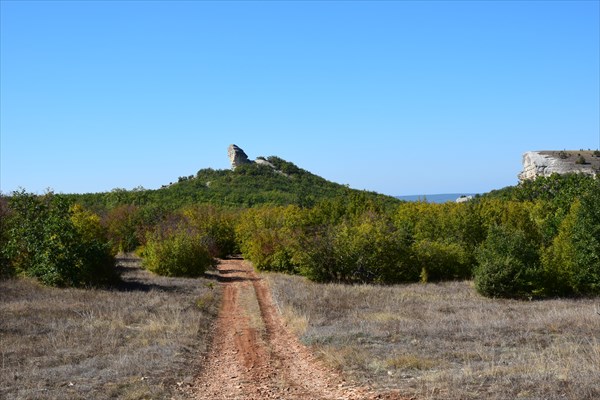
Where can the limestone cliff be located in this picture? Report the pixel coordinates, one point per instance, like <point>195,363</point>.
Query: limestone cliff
<point>546,163</point>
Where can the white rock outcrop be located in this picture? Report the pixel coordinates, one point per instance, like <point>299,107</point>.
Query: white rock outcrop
<point>237,156</point>
<point>464,199</point>
<point>260,161</point>
<point>537,163</point>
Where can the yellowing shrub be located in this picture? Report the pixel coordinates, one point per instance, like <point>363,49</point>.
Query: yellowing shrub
<point>178,253</point>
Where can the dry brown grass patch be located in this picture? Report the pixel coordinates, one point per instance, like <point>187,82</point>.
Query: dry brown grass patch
<point>444,341</point>
<point>133,342</point>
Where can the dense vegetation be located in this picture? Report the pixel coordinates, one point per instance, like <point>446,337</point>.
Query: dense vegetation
<point>60,244</point>
<point>537,239</point>
<point>246,186</point>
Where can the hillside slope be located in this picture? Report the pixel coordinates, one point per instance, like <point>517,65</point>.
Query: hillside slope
<point>245,186</point>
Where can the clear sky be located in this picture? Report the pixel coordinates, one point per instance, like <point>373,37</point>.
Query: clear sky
<point>396,97</point>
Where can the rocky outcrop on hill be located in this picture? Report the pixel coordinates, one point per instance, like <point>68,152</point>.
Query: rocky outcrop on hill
<point>237,156</point>
<point>261,161</point>
<point>546,163</point>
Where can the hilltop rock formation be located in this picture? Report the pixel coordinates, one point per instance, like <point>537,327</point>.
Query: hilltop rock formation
<point>237,156</point>
<point>546,163</point>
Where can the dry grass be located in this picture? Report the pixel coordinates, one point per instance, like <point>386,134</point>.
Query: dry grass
<point>133,342</point>
<point>444,341</point>
<point>571,157</point>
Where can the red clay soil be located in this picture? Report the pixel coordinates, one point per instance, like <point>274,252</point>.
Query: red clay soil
<point>254,357</point>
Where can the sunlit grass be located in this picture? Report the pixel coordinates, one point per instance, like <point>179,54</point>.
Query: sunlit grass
<point>444,341</point>
<point>133,342</point>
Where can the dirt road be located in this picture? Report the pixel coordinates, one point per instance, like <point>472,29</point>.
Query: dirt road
<point>253,356</point>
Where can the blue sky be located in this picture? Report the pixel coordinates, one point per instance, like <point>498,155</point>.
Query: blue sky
<point>396,97</point>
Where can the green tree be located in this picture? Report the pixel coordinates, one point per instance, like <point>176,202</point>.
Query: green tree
<point>586,242</point>
<point>508,264</point>
<point>572,261</point>
<point>559,259</point>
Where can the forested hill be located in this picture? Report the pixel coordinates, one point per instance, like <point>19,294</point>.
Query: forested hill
<point>246,186</point>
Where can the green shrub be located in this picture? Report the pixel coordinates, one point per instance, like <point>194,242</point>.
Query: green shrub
<point>177,253</point>
<point>508,264</point>
<point>216,226</point>
<point>315,256</point>
<point>122,223</point>
<point>441,261</point>
<point>369,250</point>
<point>269,250</point>
<point>6,268</point>
<point>267,236</point>
<point>373,251</point>
<point>50,241</point>
<point>95,250</point>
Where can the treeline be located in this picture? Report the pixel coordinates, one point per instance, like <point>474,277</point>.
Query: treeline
<point>538,239</point>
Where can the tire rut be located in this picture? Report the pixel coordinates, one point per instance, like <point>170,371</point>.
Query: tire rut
<point>253,356</point>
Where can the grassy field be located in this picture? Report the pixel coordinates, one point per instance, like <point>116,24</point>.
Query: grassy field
<point>444,341</point>
<point>137,341</point>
